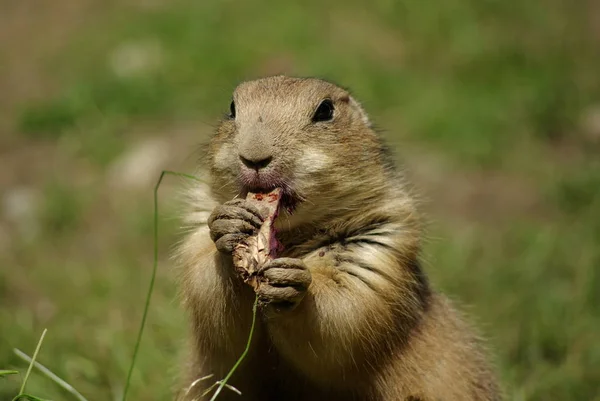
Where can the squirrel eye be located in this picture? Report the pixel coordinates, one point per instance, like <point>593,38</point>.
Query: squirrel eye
<point>324,112</point>
<point>232,109</point>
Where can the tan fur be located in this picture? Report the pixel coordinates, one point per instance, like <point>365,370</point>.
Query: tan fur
<point>370,327</point>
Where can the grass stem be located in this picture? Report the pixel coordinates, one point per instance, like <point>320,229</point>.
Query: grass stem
<point>223,382</point>
<point>153,277</point>
<point>66,386</point>
<point>35,354</point>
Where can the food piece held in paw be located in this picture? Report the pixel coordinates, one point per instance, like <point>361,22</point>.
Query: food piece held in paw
<point>256,250</point>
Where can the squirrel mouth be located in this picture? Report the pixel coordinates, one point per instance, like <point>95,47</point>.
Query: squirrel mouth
<point>289,201</point>
<point>265,182</point>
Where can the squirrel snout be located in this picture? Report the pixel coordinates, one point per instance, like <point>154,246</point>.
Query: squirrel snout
<point>256,163</point>
<point>255,148</point>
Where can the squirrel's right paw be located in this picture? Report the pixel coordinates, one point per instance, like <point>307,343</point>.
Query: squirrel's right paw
<point>232,222</point>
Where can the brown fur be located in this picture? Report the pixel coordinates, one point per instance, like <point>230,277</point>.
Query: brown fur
<point>369,327</point>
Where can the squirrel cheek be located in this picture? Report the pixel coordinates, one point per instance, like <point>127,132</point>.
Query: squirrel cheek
<point>312,161</point>
<point>225,157</point>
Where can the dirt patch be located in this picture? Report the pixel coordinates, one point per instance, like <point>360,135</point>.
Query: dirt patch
<point>362,32</point>
<point>484,196</point>
<point>32,33</point>
<point>277,64</point>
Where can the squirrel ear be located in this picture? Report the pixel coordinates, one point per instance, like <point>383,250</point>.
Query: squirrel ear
<point>359,109</point>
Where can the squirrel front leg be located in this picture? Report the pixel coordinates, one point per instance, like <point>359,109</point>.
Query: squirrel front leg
<point>218,302</point>
<point>349,311</point>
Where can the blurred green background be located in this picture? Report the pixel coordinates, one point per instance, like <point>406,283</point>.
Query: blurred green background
<point>493,106</point>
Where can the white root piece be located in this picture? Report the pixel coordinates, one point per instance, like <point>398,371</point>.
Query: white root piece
<point>256,250</point>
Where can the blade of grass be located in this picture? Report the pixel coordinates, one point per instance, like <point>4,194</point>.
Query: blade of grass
<point>8,372</point>
<point>28,397</point>
<point>153,276</point>
<point>35,354</point>
<point>66,386</point>
<point>223,382</point>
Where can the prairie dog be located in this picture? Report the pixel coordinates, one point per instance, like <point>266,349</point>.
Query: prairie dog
<point>348,312</point>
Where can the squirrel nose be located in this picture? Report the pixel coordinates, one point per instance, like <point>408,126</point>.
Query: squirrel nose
<point>256,163</point>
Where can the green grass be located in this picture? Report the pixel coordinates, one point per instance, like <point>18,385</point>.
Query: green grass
<point>495,89</point>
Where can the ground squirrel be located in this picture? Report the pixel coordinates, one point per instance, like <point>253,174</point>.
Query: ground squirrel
<point>348,313</point>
